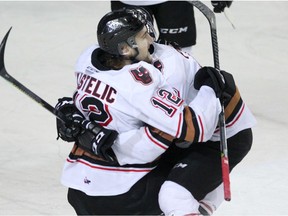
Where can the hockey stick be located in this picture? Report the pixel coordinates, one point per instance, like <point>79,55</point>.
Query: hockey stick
<point>3,72</point>
<point>21,87</point>
<point>210,16</point>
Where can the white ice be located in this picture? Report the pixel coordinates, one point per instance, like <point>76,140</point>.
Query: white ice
<point>47,38</point>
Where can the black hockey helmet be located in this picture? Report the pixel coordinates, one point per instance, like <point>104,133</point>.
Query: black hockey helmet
<point>121,26</point>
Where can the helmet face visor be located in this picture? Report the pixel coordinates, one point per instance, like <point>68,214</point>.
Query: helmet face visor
<point>151,30</point>
<point>144,17</point>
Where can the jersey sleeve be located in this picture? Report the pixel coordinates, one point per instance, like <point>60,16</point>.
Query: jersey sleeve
<point>201,118</point>
<point>161,107</point>
<point>140,146</point>
<point>146,144</point>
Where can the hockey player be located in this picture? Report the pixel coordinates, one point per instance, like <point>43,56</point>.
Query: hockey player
<point>119,105</point>
<point>175,19</point>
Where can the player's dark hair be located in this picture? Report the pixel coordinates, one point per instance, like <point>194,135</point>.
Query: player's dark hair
<point>111,61</point>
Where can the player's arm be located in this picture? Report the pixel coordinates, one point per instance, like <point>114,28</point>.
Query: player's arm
<point>196,123</point>
<point>140,146</point>
<point>202,113</point>
<point>88,135</point>
<point>193,122</point>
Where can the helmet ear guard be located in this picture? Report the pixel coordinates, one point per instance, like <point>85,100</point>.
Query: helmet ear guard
<point>123,48</point>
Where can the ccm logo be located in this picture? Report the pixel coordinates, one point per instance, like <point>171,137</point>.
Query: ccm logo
<point>173,30</point>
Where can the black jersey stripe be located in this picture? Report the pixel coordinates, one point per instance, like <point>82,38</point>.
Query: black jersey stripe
<point>190,128</point>
<point>164,140</point>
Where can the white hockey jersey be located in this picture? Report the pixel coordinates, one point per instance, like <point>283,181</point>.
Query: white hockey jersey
<point>123,100</point>
<point>134,147</point>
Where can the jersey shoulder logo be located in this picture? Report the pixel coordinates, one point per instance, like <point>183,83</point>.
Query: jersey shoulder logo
<point>141,75</point>
<point>159,65</point>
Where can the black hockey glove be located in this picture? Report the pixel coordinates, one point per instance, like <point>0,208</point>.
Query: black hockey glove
<point>219,6</point>
<point>98,140</point>
<point>89,135</point>
<point>221,82</point>
<point>68,131</point>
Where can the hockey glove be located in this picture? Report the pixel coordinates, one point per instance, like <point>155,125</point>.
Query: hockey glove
<point>68,131</point>
<point>219,6</point>
<point>220,81</point>
<point>98,140</point>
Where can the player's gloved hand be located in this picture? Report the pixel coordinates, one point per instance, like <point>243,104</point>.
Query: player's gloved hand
<point>219,6</point>
<point>220,81</point>
<point>98,140</point>
<point>69,130</point>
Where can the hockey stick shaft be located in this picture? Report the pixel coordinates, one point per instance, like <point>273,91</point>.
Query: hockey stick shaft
<point>20,86</point>
<point>3,72</point>
<point>223,140</point>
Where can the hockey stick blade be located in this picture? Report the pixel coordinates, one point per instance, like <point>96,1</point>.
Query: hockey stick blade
<point>210,16</point>
<point>2,50</point>
<point>28,92</point>
<point>21,87</point>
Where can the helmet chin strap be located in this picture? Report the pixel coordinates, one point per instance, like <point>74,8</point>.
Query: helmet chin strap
<point>128,54</point>
<point>133,58</point>
<point>131,42</point>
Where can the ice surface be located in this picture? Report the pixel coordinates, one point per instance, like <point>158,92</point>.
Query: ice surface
<point>47,38</point>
